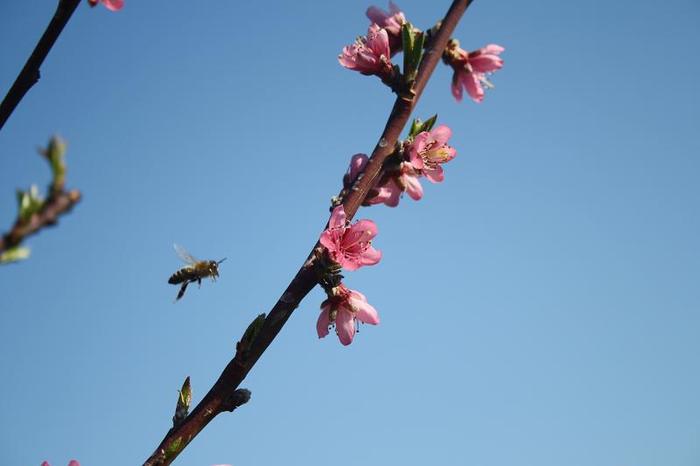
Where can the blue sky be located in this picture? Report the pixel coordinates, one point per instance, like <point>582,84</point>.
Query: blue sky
<point>540,307</point>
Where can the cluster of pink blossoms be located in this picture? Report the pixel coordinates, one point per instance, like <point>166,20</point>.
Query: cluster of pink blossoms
<point>350,247</point>
<point>71,463</point>
<point>371,55</point>
<point>423,156</point>
<point>391,21</point>
<point>114,5</point>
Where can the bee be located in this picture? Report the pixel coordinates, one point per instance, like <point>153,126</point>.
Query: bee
<point>193,272</point>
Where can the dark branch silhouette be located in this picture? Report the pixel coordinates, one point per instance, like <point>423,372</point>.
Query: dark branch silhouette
<point>30,74</point>
<point>222,396</point>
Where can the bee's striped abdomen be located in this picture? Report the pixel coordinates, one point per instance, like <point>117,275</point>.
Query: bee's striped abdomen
<point>182,275</point>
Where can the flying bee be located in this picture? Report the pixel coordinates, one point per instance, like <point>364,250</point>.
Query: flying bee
<point>193,272</point>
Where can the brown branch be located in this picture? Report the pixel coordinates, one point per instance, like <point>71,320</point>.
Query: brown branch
<point>55,206</point>
<point>254,343</point>
<point>30,73</point>
<point>31,219</point>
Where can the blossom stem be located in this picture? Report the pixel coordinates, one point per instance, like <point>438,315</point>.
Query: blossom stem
<point>214,402</point>
<point>30,73</point>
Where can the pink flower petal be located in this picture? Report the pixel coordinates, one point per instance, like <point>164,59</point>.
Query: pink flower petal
<point>337,218</point>
<point>357,164</point>
<point>345,326</point>
<point>413,187</point>
<point>371,256</point>
<point>363,310</point>
<point>376,14</point>
<point>435,175</point>
<point>389,194</point>
<point>367,229</point>
<point>114,5</point>
<point>73,463</point>
<point>493,49</point>
<point>441,134</point>
<point>323,320</point>
<point>393,8</point>
<point>473,86</point>
<point>327,240</point>
<point>486,63</point>
<point>348,264</point>
<point>456,87</point>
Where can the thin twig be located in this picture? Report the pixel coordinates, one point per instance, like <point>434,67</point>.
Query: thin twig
<point>216,400</point>
<point>30,73</point>
<point>32,218</point>
<point>55,206</point>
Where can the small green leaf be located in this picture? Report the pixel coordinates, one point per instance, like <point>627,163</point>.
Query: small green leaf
<point>412,41</point>
<point>29,202</point>
<point>15,254</point>
<point>417,50</point>
<point>416,125</point>
<point>419,126</point>
<point>55,154</point>
<point>184,399</point>
<point>429,123</point>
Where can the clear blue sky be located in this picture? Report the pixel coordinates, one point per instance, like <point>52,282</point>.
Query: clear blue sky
<point>539,308</point>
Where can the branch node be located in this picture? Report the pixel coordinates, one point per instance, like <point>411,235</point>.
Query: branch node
<point>238,398</point>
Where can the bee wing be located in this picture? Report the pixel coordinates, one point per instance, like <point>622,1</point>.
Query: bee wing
<point>184,255</point>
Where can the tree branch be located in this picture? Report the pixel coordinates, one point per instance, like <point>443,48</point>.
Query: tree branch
<point>30,73</point>
<point>55,206</point>
<point>36,213</point>
<point>256,341</point>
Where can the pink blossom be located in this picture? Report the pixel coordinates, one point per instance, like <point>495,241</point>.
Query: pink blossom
<point>391,20</point>
<point>358,162</point>
<point>394,184</point>
<point>343,310</point>
<point>71,463</point>
<point>114,5</point>
<point>350,245</point>
<point>471,69</point>
<point>370,54</point>
<point>429,150</point>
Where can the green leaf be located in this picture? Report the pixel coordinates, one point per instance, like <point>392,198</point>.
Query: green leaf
<point>184,399</point>
<point>417,51</point>
<point>412,40</point>
<point>419,126</point>
<point>15,254</point>
<point>415,127</point>
<point>429,123</point>
<point>29,203</point>
<point>55,154</point>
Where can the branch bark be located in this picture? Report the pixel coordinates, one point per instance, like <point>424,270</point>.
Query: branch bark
<point>216,400</point>
<point>30,74</point>
<point>56,205</point>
